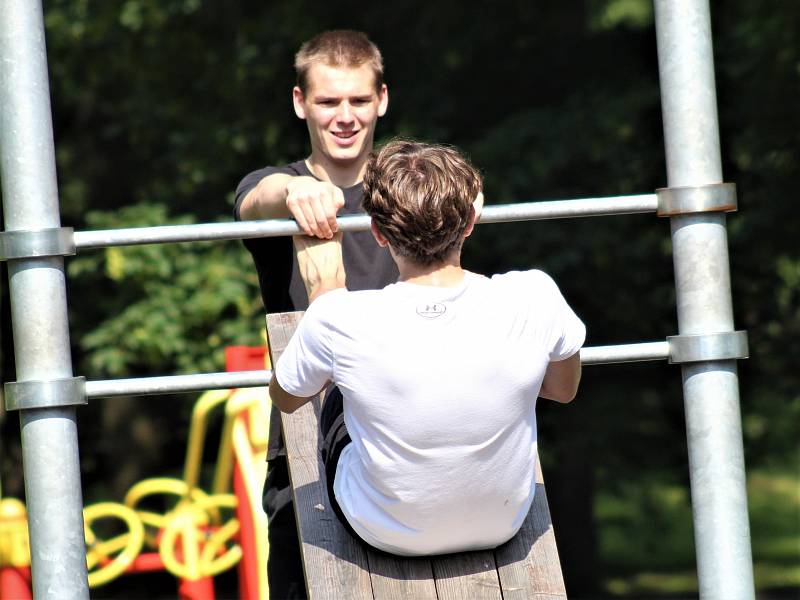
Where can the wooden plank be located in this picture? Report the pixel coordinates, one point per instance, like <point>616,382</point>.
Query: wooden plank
<point>335,565</point>
<point>398,578</point>
<point>467,575</point>
<point>528,564</point>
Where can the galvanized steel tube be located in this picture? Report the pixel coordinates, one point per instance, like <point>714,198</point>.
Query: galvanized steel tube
<point>526,211</point>
<point>170,384</point>
<point>702,280</point>
<point>39,306</point>
<point>622,353</point>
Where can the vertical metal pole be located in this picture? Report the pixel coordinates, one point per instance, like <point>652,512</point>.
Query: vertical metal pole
<point>702,279</point>
<point>39,306</point>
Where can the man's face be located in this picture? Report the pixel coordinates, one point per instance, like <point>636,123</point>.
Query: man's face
<point>341,109</point>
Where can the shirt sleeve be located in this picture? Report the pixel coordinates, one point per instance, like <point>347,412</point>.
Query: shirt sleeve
<point>307,363</point>
<point>250,181</point>
<point>564,331</point>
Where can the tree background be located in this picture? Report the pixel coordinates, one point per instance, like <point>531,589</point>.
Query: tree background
<point>161,106</point>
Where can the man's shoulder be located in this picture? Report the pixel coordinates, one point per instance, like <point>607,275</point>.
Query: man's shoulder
<point>252,179</point>
<point>295,168</point>
<point>343,305</point>
<point>343,299</point>
<point>533,287</point>
<point>531,277</point>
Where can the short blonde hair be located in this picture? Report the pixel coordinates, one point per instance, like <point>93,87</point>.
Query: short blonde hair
<point>338,48</point>
<point>420,198</point>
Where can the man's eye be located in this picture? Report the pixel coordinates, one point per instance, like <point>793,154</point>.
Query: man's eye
<point>327,103</point>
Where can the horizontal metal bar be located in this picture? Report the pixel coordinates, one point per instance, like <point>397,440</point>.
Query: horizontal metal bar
<point>527,211</point>
<point>622,353</point>
<point>561,209</point>
<point>200,232</point>
<point>148,386</point>
<point>151,386</point>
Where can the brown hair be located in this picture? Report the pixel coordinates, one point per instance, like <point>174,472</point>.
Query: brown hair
<point>420,198</point>
<point>338,48</point>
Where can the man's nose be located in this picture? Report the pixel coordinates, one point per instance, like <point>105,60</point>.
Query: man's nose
<point>345,113</point>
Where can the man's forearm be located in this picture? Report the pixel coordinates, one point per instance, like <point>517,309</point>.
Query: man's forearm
<point>267,200</point>
<point>324,287</point>
<point>320,264</point>
<point>561,379</point>
<point>285,401</point>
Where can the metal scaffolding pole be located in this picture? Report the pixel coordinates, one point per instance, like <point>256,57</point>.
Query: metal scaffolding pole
<point>39,309</point>
<point>503,213</point>
<point>702,280</point>
<point>199,382</point>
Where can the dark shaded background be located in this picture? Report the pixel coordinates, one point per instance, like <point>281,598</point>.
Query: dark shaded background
<point>160,106</point>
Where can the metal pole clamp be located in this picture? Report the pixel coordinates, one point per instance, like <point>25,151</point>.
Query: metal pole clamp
<point>715,197</point>
<point>22,395</point>
<point>707,347</point>
<point>43,242</point>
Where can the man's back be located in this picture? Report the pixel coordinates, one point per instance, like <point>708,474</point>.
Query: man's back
<point>440,385</point>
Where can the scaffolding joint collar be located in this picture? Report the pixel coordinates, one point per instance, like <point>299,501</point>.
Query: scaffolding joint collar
<point>727,345</point>
<point>22,395</point>
<point>714,197</point>
<point>22,243</point>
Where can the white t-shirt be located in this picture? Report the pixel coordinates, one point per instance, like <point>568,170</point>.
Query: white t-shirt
<point>440,388</point>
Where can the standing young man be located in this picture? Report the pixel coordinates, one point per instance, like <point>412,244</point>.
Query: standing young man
<point>429,447</point>
<point>340,94</point>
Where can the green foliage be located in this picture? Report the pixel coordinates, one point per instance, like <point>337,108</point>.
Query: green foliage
<point>167,308</point>
<point>161,106</point>
<point>609,14</point>
<point>659,558</point>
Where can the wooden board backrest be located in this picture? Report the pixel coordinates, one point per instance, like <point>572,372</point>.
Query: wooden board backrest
<point>336,566</point>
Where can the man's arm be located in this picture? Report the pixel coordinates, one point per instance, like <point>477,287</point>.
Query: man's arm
<point>322,270</point>
<point>561,379</point>
<point>285,401</point>
<point>320,264</point>
<point>312,203</point>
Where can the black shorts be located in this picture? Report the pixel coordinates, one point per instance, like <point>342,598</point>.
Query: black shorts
<point>334,439</point>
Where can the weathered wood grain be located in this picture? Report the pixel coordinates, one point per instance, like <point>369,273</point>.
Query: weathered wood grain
<point>399,578</point>
<point>467,575</point>
<point>528,564</point>
<point>335,565</point>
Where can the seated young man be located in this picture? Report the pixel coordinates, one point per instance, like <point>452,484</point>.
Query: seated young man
<point>430,432</point>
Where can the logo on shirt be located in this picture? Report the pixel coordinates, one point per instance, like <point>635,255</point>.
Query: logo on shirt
<point>431,311</point>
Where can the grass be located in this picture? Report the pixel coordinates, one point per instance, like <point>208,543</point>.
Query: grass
<point>659,560</point>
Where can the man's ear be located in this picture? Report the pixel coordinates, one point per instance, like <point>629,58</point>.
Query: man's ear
<point>298,99</point>
<point>473,216</point>
<point>383,100</point>
<point>477,204</point>
<point>379,237</point>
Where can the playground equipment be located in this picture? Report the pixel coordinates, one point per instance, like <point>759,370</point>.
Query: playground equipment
<point>200,534</point>
<point>706,347</point>
<point>15,561</point>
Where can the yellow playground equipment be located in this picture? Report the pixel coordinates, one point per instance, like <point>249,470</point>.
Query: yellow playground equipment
<point>175,524</point>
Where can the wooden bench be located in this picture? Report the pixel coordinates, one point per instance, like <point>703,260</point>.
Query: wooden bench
<point>336,566</point>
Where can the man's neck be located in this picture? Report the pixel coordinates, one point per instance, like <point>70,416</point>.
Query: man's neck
<point>340,175</point>
<point>445,274</point>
